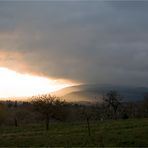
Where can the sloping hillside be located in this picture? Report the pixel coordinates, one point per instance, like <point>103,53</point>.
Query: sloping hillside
<point>95,92</point>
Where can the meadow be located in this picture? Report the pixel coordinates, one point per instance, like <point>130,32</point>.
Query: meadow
<point>131,132</point>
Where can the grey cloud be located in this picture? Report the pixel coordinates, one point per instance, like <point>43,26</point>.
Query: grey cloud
<point>90,42</point>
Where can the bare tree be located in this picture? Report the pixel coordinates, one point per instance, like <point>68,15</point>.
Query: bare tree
<point>87,115</point>
<point>47,106</point>
<point>13,109</point>
<point>15,116</point>
<point>112,100</point>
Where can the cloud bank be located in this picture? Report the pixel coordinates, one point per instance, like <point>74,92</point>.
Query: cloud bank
<point>88,42</point>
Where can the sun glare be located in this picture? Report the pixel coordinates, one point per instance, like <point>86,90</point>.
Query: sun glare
<point>14,84</point>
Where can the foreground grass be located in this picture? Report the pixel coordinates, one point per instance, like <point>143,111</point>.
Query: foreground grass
<point>107,133</point>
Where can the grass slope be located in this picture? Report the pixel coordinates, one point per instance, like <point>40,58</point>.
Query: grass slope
<point>107,133</point>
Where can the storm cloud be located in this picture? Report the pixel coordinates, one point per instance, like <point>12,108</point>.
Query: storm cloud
<point>88,42</point>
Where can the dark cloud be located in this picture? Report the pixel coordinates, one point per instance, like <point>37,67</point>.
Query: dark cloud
<point>90,42</point>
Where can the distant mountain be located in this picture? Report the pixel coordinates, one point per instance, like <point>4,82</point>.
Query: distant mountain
<point>94,92</point>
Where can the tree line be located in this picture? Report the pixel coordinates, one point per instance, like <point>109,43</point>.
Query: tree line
<point>44,109</point>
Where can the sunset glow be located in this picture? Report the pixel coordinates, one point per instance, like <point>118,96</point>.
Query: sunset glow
<point>13,84</point>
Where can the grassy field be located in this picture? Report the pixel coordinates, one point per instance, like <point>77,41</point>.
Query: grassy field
<point>107,133</point>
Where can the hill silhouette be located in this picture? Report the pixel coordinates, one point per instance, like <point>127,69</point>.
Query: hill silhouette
<point>94,92</point>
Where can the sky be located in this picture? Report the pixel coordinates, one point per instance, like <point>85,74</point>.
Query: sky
<point>103,42</point>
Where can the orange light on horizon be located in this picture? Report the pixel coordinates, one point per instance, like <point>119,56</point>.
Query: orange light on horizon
<point>14,84</point>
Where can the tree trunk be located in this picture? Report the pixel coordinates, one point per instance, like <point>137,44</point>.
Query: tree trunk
<point>88,126</point>
<point>115,113</point>
<point>15,122</point>
<point>47,122</point>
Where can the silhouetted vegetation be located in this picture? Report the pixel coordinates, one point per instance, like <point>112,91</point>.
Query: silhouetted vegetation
<point>45,109</point>
<point>52,109</point>
<point>49,106</point>
<point>112,102</point>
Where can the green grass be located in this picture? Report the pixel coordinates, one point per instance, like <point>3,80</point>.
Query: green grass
<point>132,132</point>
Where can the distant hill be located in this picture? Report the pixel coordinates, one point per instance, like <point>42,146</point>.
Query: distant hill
<point>94,92</point>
